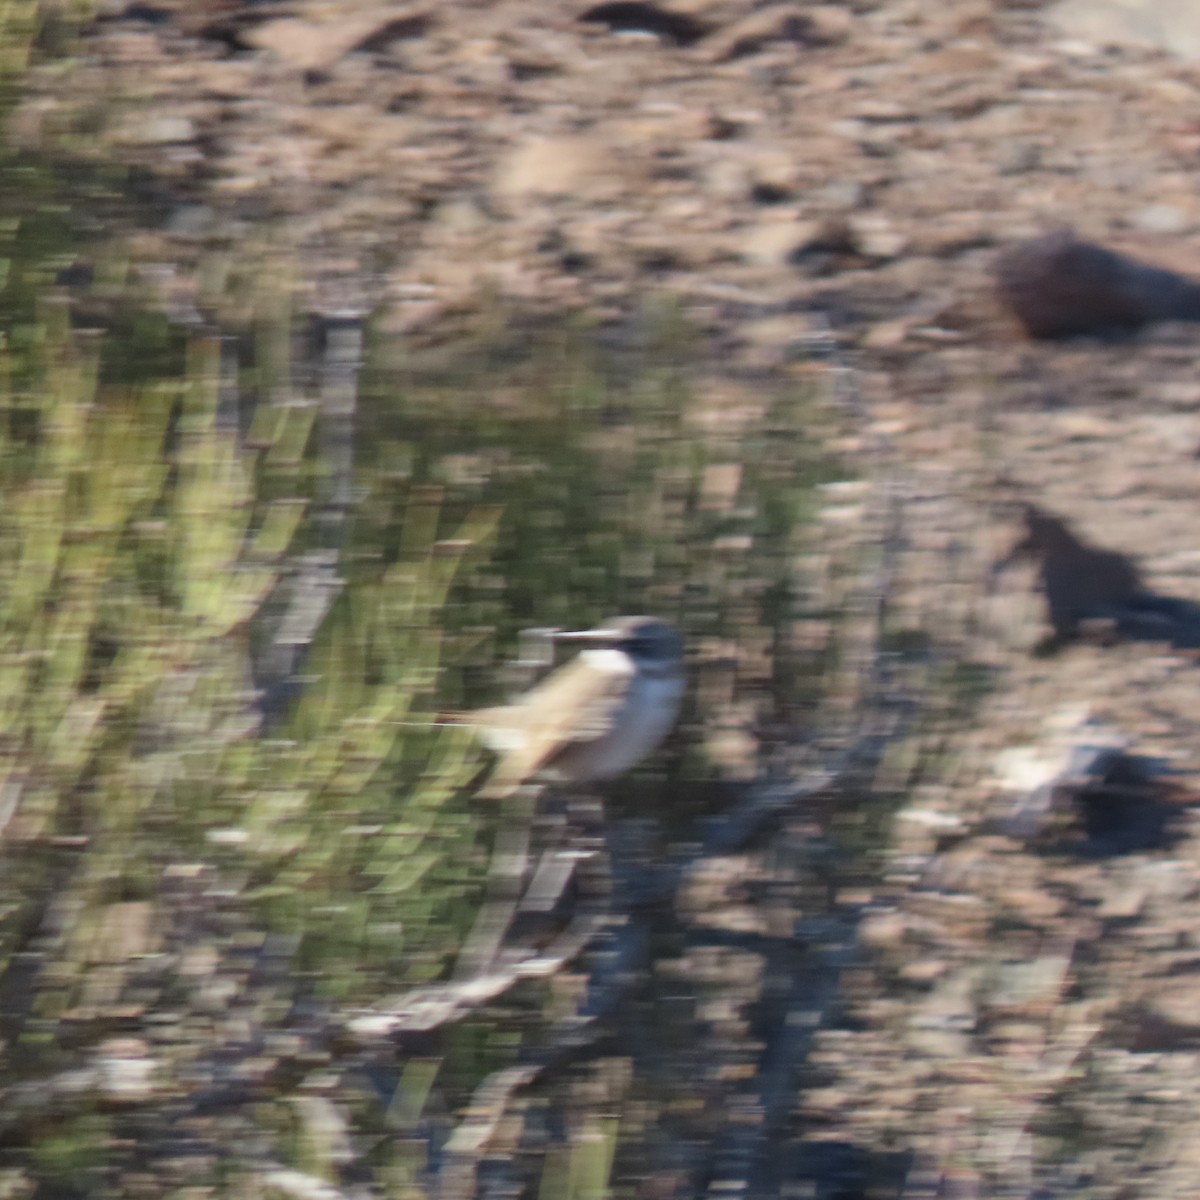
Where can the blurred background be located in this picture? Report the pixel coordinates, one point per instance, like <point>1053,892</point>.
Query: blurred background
<point>343,343</point>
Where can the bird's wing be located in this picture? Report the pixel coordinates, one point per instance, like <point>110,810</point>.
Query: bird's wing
<point>567,719</point>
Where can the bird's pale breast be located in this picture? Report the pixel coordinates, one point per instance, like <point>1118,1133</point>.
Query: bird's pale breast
<point>638,724</point>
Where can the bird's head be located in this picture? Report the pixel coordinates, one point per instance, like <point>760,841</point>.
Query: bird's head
<point>649,641</point>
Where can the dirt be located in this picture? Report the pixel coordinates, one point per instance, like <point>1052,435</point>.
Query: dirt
<point>1017,1012</point>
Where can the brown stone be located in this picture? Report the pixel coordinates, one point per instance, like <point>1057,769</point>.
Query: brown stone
<point>555,166</point>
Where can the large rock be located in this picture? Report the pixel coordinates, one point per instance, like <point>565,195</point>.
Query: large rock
<point>1059,285</point>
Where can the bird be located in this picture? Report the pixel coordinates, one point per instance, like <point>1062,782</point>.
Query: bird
<point>1080,581</point>
<point>594,717</point>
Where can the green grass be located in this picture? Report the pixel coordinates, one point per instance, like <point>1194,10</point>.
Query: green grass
<point>142,544</point>
<point>179,870</point>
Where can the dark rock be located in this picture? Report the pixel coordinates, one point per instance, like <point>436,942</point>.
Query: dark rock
<point>679,28</point>
<point>1058,285</point>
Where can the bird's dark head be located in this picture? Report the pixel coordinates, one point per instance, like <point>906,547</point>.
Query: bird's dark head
<point>649,641</point>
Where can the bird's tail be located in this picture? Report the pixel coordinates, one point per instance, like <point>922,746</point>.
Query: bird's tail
<point>484,722</point>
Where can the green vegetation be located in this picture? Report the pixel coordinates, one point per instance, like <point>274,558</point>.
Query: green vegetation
<point>184,873</point>
<point>626,486</point>
<point>142,547</point>
<point>134,558</point>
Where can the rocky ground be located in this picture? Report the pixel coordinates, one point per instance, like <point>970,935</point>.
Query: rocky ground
<point>1022,1013</point>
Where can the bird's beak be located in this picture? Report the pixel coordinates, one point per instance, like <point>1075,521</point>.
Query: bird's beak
<point>584,635</point>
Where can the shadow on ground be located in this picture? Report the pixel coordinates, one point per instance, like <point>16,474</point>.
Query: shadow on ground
<point>1131,811</point>
<point>1156,617</point>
